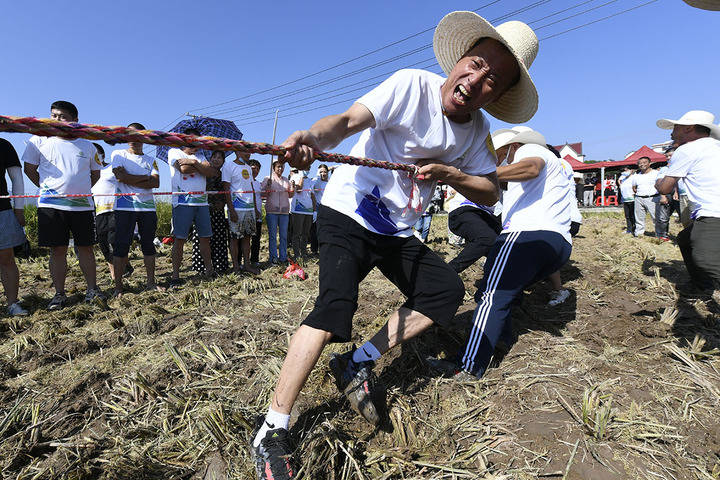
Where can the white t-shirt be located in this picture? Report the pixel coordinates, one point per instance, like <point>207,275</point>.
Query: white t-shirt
<point>409,126</point>
<point>186,182</point>
<point>107,183</point>
<point>458,200</point>
<point>134,165</point>
<point>64,167</point>
<point>239,176</point>
<point>626,191</point>
<point>318,189</point>
<point>258,198</point>
<point>645,183</point>
<point>301,202</point>
<point>698,164</point>
<point>575,215</point>
<point>542,203</point>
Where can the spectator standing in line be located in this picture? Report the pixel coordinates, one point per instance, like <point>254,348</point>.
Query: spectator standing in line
<point>189,173</point>
<point>104,208</point>
<point>627,196</point>
<point>12,221</point>
<point>218,222</point>
<point>662,213</point>
<point>237,177</point>
<point>646,197</point>
<point>301,213</point>
<point>135,173</point>
<point>257,187</point>
<point>318,189</point>
<point>588,190</point>
<point>277,192</point>
<point>696,163</point>
<point>58,166</point>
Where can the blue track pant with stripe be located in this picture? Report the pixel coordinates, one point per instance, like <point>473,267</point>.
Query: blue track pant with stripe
<point>515,261</point>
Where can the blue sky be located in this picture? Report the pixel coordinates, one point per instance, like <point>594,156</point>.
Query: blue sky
<point>604,84</point>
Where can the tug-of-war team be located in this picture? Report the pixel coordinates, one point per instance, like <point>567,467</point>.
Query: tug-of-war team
<point>513,201</point>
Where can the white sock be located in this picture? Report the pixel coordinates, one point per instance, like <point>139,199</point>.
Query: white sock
<point>273,420</point>
<point>365,353</point>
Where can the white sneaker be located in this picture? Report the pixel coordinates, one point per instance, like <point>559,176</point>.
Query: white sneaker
<point>558,296</point>
<point>16,310</point>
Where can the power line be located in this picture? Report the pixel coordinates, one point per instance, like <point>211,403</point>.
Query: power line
<point>247,115</point>
<point>544,38</point>
<point>368,67</point>
<point>598,20</point>
<point>336,65</point>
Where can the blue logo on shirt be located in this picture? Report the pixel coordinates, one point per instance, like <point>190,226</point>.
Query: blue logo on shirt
<point>374,211</point>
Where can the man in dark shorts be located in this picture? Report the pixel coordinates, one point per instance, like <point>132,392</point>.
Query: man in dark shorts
<point>59,167</point>
<point>366,216</point>
<point>12,220</point>
<point>136,175</point>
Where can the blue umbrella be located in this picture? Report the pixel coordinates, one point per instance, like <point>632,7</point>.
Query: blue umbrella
<point>212,127</point>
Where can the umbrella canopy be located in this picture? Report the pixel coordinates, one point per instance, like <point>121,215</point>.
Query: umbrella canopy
<point>208,127</point>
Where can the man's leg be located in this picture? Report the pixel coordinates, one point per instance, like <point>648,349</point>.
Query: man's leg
<point>177,255</point>
<point>296,219</point>
<point>147,227</point>
<point>58,267</point>
<point>629,210</point>
<point>255,245</point>
<point>516,260</point>
<point>662,220</point>
<point>705,241</point>
<point>685,211</point>
<point>313,238</point>
<point>639,216</point>
<point>10,275</point>
<point>86,259</point>
<point>124,228</point>
<point>479,229</point>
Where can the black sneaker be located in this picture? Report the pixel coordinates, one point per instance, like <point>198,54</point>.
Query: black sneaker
<point>359,384</point>
<point>450,370</point>
<point>272,456</point>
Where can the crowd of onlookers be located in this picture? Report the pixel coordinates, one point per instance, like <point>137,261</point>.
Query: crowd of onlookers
<point>122,209</point>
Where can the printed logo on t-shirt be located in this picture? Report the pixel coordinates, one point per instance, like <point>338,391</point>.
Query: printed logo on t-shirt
<point>490,146</point>
<point>60,201</point>
<point>375,212</point>
<point>245,174</point>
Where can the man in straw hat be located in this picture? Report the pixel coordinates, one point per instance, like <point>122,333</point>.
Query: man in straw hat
<point>696,164</point>
<point>366,215</point>
<point>535,242</point>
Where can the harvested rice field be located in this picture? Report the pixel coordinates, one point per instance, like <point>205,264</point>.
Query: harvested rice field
<point>622,381</point>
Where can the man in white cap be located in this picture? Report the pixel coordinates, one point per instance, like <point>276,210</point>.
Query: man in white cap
<point>696,164</point>
<point>534,243</point>
<point>366,215</point>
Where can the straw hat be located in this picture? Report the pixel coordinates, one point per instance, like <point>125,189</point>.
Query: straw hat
<point>530,136</point>
<point>704,4</point>
<point>693,117</point>
<point>458,31</point>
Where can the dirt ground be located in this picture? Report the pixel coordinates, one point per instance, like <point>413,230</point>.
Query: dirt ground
<point>621,381</point>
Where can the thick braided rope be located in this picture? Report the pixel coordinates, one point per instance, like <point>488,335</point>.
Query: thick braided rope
<point>53,128</point>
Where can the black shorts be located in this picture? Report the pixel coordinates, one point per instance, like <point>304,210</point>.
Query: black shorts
<point>55,226</point>
<point>125,222</point>
<point>105,231</point>
<point>348,252</point>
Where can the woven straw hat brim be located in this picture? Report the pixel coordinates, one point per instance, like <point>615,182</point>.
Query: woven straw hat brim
<point>456,33</point>
<point>704,4</point>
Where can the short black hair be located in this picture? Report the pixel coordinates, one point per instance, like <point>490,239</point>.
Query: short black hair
<point>192,131</point>
<point>322,165</point>
<point>66,107</point>
<point>137,126</point>
<point>553,150</point>
<point>99,148</point>
<point>647,158</point>
<point>253,162</point>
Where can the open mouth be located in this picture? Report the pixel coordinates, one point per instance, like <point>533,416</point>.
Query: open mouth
<point>461,95</point>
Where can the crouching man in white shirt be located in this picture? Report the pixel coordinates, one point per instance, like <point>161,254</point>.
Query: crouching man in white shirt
<point>535,241</point>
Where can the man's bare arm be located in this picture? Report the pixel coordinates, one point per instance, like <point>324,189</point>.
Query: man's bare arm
<point>666,185</point>
<point>31,170</point>
<point>521,170</point>
<point>480,189</point>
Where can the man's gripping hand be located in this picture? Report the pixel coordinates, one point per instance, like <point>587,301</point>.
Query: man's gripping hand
<point>301,147</point>
<point>433,170</point>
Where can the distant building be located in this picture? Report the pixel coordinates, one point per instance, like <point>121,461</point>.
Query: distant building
<point>572,149</point>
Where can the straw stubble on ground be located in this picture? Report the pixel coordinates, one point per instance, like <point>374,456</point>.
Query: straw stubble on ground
<point>621,381</point>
